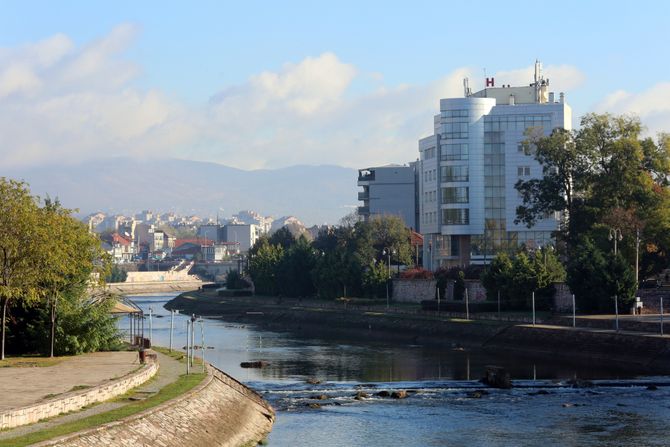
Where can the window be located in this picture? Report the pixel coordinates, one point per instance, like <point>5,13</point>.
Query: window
<point>455,195</point>
<point>429,153</point>
<point>462,113</point>
<point>458,216</point>
<point>457,173</point>
<point>523,171</point>
<point>457,151</point>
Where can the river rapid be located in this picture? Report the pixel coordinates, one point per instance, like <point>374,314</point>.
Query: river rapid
<point>444,407</point>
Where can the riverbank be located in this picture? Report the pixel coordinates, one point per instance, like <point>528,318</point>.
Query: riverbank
<point>633,352</point>
<point>172,409</point>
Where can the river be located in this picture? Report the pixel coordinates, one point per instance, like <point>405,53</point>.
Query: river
<point>442,408</point>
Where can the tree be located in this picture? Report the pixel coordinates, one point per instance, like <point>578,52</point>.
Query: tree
<point>282,237</point>
<point>19,247</point>
<point>595,278</point>
<point>263,266</point>
<point>295,269</point>
<point>70,257</point>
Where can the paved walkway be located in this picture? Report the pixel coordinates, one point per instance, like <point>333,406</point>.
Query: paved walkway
<point>25,386</point>
<point>169,371</point>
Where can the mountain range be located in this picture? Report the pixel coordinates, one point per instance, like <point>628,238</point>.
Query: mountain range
<point>315,194</point>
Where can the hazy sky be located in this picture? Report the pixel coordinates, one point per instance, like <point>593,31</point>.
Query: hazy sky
<point>270,84</point>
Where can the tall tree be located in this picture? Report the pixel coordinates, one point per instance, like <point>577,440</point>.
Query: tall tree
<point>70,258</point>
<point>19,247</point>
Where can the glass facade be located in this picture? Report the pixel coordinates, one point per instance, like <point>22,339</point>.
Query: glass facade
<point>456,216</point>
<point>456,173</point>
<point>455,195</point>
<point>454,151</point>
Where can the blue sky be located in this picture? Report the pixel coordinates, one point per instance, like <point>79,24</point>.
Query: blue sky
<point>269,84</point>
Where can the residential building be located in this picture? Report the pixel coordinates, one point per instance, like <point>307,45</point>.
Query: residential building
<point>209,231</point>
<point>469,166</point>
<point>389,190</point>
<point>244,234</point>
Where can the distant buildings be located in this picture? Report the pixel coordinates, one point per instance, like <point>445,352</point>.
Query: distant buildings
<point>389,190</point>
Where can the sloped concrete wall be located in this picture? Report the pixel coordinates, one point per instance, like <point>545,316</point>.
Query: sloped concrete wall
<point>219,412</point>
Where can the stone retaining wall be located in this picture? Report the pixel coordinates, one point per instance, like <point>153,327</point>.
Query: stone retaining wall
<point>413,290</point>
<point>75,400</point>
<point>219,412</point>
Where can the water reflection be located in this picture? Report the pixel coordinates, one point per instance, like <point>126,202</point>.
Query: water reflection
<point>441,412</point>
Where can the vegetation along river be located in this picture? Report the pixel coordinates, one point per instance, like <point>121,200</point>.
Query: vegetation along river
<point>442,407</point>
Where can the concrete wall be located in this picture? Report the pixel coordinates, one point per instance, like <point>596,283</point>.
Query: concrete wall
<point>219,412</point>
<point>154,286</point>
<point>75,400</point>
<point>176,275</point>
<point>413,290</point>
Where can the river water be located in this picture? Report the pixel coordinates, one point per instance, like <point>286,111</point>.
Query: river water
<point>442,408</point>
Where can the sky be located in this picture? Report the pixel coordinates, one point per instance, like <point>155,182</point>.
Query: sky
<point>272,84</point>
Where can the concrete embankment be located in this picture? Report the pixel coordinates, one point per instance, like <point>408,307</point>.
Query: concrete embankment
<point>153,286</point>
<point>638,353</point>
<point>219,412</point>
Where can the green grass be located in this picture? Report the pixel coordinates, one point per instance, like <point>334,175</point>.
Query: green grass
<point>170,391</point>
<point>30,361</point>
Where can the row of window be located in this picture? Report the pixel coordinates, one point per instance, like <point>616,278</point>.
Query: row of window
<point>429,175</point>
<point>517,126</point>
<point>458,173</point>
<point>429,153</point>
<point>429,217</point>
<point>454,151</point>
<point>460,113</point>
<point>459,194</point>
<point>430,196</point>
<point>457,216</point>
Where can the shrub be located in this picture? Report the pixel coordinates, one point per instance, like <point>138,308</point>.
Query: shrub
<point>416,273</point>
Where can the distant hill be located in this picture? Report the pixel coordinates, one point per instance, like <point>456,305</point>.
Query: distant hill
<point>315,194</point>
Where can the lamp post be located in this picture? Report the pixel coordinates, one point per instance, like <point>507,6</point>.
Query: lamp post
<point>615,235</point>
<point>388,252</point>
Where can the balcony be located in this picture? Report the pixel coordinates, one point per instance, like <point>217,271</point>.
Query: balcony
<point>366,176</point>
<point>364,195</point>
<point>364,210</point>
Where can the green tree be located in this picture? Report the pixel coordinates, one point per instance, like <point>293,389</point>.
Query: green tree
<point>70,257</point>
<point>375,279</point>
<point>116,274</point>
<point>295,269</point>
<point>496,277</point>
<point>263,266</point>
<point>595,278</point>
<point>282,237</point>
<point>19,248</point>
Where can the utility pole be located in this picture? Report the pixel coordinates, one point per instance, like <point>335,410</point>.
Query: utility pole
<point>637,254</point>
<point>188,347</point>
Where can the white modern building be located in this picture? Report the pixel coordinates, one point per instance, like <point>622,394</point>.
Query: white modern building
<point>469,166</point>
<point>389,191</point>
<point>245,235</point>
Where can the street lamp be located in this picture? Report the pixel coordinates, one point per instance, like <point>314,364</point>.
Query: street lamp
<point>615,235</point>
<point>388,252</point>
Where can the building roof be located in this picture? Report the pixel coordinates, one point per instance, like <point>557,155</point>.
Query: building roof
<point>197,241</point>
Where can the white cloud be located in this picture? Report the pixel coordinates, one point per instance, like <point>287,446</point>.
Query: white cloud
<point>651,105</point>
<point>63,102</point>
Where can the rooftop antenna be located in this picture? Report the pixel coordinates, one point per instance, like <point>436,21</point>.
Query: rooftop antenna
<point>466,87</point>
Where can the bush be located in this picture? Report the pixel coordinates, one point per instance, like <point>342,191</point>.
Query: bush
<point>234,281</point>
<point>416,273</point>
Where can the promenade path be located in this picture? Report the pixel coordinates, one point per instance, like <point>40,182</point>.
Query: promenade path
<point>24,386</point>
<point>81,370</point>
